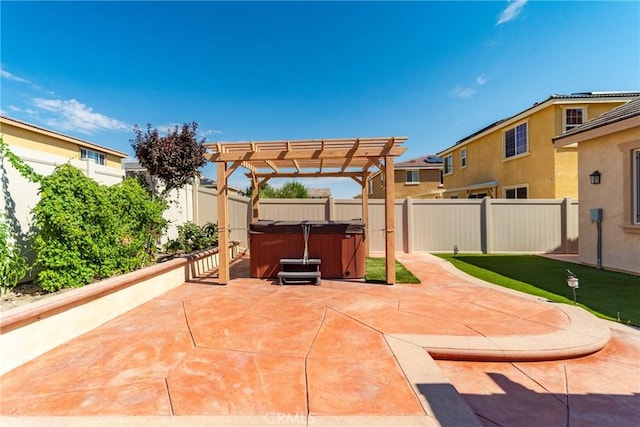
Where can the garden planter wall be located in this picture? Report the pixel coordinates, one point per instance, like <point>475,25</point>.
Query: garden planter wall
<point>31,330</point>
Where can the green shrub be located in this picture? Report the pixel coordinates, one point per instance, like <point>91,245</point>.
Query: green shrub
<point>192,238</point>
<point>13,264</point>
<point>141,222</point>
<point>87,231</point>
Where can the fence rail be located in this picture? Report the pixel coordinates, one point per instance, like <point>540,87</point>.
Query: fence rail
<point>473,225</point>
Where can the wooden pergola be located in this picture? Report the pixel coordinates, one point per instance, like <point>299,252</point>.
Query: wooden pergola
<point>350,157</point>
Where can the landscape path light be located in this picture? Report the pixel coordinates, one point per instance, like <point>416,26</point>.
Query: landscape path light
<point>573,282</point>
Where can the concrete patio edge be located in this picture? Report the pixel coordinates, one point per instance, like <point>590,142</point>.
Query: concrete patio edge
<point>585,335</point>
<point>439,398</point>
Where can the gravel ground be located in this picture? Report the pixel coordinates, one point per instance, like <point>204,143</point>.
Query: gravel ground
<point>25,293</point>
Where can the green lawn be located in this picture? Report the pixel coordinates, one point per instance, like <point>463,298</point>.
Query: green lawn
<point>607,294</point>
<point>376,272</point>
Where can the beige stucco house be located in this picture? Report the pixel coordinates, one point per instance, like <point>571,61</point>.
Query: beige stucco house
<point>56,146</point>
<point>514,158</point>
<point>609,179</point>
<point>418,178</point>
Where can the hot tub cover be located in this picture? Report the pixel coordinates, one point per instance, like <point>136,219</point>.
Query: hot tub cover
<point>266,226</point>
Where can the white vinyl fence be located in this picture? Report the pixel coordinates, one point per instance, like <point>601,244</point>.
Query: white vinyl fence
<point>433,225</point>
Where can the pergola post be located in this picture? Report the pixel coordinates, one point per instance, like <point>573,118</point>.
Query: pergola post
<point>255,198</point>
<point>389,220</point>
<point>365,210</point>
<point>223,223</point>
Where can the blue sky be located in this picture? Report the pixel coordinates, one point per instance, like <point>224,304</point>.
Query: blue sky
<point>432,71</point>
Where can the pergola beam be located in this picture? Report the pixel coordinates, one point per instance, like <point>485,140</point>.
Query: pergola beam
<point>272,166</point>
<point>230,156</point>
<point>309,175</point>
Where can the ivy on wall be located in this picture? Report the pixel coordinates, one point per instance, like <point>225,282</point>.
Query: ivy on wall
<point>13,262</point>
<point>82,231</point>
<point>87,231</point>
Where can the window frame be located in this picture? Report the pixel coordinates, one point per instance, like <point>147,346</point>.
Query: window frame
<point>463,157</point>
<point>515,189</point>
<point>516,140</point>
<point>95,156</point>
<point>448,164</point>
<point>415,173</point>
<point>565,126</point>
<point>635,184</point>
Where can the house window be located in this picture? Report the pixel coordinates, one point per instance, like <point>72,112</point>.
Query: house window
<point>515,141</point>
<point>448,164</point>
<point>463,157</point>
<point>92,155</point>
<point>516,193</point>
<point>441,178</point>
<point>573,117</point>
<point>413,177</point>
<point>636,186</point>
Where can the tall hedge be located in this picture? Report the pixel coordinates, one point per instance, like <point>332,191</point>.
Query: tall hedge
<point>87,231</point>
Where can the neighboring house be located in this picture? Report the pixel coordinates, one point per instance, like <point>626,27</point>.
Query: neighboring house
<point>515,158</point>
<point>419,178</point>
<point>609,179</point>
<point>56,146</point>
<point>319,193</point>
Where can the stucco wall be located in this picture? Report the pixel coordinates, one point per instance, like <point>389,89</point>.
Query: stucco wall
<point>610,155</point>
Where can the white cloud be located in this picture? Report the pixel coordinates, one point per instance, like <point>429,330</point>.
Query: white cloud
<point>76,116</point>
<point>165,128</point>
<point>7,75</point>
<point>481,79</point>
<point>462,92</point>
<point>511,11</point>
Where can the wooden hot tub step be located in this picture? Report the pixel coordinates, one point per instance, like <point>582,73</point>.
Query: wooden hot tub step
<point>298,277</point>
<point>299,261</point>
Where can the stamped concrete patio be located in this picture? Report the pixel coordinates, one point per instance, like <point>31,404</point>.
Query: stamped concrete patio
<point>343,353</point>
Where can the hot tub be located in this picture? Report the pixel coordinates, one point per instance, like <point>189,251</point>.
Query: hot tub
<point>338,244</point>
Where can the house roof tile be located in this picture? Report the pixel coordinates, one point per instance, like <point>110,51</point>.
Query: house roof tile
<point>622,112</point>
<point>424,162</point>
<point>622,95</point>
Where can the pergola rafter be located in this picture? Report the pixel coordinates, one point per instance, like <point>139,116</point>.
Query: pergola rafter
<point>351,157</point>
